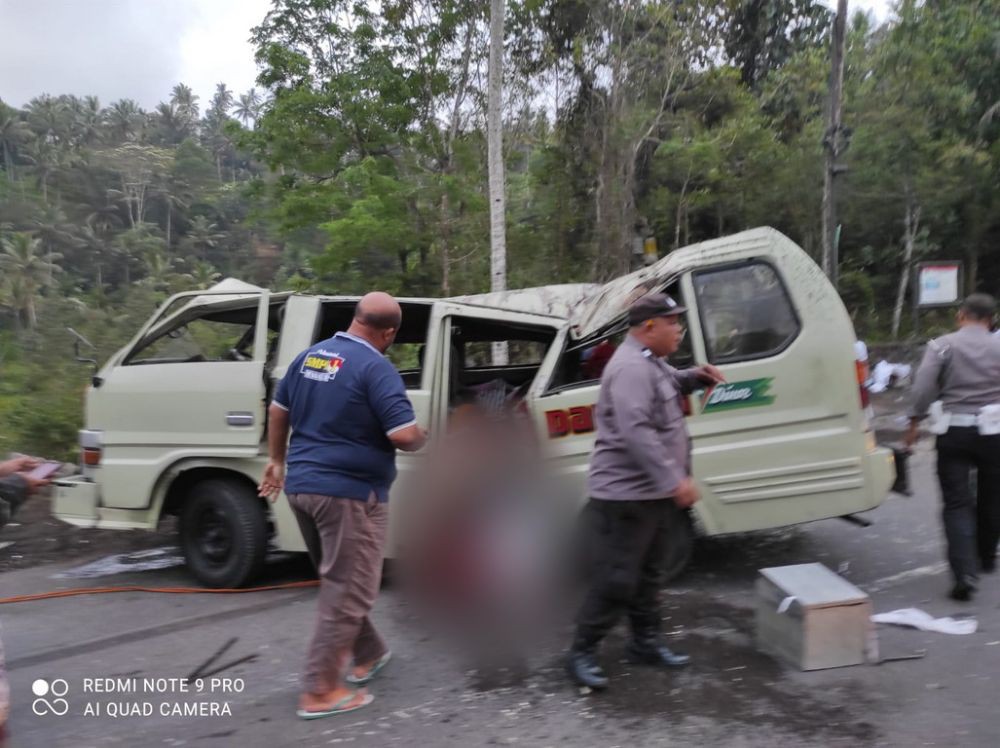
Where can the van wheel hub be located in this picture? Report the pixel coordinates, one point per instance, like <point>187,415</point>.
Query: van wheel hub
<point>214,536</point>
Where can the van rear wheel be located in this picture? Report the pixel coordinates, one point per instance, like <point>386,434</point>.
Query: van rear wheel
<point>223,533</point>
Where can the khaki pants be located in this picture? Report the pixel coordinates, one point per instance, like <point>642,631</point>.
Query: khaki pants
<point>345,538</point>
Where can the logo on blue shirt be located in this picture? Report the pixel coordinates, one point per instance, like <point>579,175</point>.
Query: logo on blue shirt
<point>321,366</point>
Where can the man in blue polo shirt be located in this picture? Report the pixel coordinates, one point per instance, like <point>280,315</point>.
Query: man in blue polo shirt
<point>347,410</point>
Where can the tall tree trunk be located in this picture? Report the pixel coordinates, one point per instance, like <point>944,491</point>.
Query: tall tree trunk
<point>30,309</point>
<point>911,225</point>
<point>449,161</point>
<point>445,244</point>
<point>498,237</point>
<point>971,269</point>
<point>679,218</point>
<point>832,142</point>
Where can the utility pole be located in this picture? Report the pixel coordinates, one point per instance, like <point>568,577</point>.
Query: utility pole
<point>494,138</point>
<point>833,143</point>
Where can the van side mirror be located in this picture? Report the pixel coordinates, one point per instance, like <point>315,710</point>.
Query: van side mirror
<point>78,339</point>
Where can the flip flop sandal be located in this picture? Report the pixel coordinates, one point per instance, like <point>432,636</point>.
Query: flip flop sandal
<point>341,707</point>
<point>380,663</point>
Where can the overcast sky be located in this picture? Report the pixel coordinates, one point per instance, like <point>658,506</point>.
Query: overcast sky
<point>140,48</point>
<point>125,48</point>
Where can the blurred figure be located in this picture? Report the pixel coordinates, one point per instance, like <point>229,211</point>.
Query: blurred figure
<point>476,553</point>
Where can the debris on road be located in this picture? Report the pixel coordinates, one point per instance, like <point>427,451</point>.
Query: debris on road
<point>918,619</point>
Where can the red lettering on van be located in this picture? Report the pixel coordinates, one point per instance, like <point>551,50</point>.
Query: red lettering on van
<point>581,420</point>
<point>578,420</point>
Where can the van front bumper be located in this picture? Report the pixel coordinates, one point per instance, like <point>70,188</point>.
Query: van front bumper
<point>75,501</point>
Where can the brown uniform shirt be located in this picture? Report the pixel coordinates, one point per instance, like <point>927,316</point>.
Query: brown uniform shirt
<point>642,450</point>
<point>962,369</point>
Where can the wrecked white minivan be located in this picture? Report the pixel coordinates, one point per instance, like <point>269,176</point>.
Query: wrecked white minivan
<point>175,421</point>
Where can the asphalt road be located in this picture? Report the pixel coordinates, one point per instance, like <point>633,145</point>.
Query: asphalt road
<point>430,695</point>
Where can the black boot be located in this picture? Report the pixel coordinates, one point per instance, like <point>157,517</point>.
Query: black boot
<point>584,670</point>
<point>964,589</point>
<point>648,651</point>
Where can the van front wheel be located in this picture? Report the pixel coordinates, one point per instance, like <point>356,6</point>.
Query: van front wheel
<point>223,532</point>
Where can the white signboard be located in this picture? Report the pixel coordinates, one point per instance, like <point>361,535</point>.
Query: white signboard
<point>938,283</point>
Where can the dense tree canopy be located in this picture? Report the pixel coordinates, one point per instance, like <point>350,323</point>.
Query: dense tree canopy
<point>359,160</point>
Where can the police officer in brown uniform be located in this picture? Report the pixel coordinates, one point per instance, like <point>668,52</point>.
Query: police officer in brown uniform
<point>639,482</point>
<point>962,369</point>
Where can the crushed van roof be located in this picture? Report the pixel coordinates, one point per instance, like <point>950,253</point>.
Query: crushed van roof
<point>597,310</point>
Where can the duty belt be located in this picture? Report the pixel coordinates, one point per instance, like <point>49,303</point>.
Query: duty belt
<point>963,419</point>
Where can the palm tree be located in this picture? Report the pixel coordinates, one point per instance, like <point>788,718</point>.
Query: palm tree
<point>95,250</point>
<point>202,236</point>
<point>53,228</point>
<point>175,195</point>
<point>86,120</point>
<point>48,117</point>
<point>184,100</point>
<point>214,130</point>
<point>204,274</point>
<point>122,118</point>
<point>14,132</point>
<point>222,102</point>
<point>140,242</point>
<point>26,272</point>
<point>45,156</point>
<point>248,107</point>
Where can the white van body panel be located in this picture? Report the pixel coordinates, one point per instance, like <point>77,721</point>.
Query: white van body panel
<point>784,443</point>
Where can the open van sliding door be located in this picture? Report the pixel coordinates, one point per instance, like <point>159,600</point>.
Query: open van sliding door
<point>415,354</point>
<point>190,384</point>
<point>466,369</point>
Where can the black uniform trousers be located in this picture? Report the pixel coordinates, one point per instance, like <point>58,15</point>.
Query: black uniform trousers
<point>628,545</point>
<point>971,519</point>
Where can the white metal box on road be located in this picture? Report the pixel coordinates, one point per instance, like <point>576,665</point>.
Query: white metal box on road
<point>812,618</point>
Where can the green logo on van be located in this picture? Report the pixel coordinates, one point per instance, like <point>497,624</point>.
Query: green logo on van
<point>746,394</point>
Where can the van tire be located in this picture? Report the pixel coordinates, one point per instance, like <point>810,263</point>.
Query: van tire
<point>223,532</point>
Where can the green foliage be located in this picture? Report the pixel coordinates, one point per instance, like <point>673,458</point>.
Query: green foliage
<point>859,298</point>
<point>359,161</point>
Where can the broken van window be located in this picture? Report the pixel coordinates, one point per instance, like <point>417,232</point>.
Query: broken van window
<point>745,312</point>
<point>198,340</point>
<point>406,354</point>
<point>583,361</point>
<point>472,375</point>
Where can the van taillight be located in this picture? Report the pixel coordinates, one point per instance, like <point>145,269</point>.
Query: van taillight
<point>861,368</point>
<point>90,456</point>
